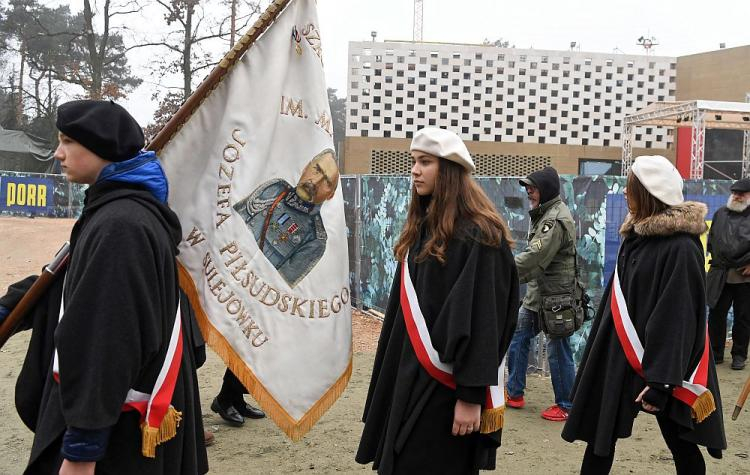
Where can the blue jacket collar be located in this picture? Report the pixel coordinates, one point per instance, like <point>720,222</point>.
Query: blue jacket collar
<point>144,169</point>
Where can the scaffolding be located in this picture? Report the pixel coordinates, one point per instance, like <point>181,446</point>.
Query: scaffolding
<point>700,115</point>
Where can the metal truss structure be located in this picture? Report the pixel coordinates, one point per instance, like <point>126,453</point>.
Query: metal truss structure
<point>699,115</point>
<point>627,149</point>
<point>697,144</point>
<point>418,20</point>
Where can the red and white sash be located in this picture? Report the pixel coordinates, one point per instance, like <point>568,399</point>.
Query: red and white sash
<point>429,358</point>
<point>692,392</point>
<point>159,419</point>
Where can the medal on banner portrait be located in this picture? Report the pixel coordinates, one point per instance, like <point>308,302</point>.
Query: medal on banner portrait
<point>254,179</point>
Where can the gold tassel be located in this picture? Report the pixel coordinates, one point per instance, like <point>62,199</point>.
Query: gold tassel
<point>492,420</point>
<point>153,436</point>
<point>148,440</point>
<point>703,406</point>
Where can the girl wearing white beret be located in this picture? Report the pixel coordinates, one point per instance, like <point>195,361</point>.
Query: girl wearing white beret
<point>648,347</point>
<point>435,403</point>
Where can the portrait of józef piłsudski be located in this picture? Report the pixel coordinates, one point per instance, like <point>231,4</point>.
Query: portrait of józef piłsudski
<point>285,220</point>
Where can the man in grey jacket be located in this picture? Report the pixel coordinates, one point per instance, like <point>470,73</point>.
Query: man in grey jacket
<point>547,265</point>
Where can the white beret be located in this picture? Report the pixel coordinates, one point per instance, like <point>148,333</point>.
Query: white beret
<point>660,178</point>
<point>444,144</point>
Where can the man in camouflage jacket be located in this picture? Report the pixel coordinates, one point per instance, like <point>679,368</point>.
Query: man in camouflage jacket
<point>547,266</point>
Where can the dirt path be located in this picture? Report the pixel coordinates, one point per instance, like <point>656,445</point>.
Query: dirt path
<point>530,444</point>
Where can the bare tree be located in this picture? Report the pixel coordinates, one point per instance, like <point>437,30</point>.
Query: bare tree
<point>85,49</point>
<point>198,28</point>
<point>338,117</point>
<point>168,105</point>
<point>35,36</point>
<point>16,18</point>
<point>102,69</point>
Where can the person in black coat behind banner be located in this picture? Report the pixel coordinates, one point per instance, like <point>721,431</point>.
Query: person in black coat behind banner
<point>660,267</point>
<point>465,286</point>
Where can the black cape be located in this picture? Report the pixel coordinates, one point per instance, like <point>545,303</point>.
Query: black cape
<point>662,279</point>
<point>470,304</point>
<point>121,293</point>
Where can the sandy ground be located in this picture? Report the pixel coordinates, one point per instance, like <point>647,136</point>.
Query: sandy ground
<point>531,445</point>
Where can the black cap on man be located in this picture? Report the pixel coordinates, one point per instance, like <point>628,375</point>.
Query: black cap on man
<point>103,127</point>
<point>740,186</point>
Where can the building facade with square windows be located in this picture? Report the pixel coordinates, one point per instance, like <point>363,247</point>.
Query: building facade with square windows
<point>517,109</point>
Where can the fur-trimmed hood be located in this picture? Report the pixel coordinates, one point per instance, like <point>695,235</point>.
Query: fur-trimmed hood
<point>688,217</point>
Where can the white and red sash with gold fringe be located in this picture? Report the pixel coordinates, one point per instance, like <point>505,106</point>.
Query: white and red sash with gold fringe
<point>692,392</point>
<point>159,419</point>
<point>419,335</point>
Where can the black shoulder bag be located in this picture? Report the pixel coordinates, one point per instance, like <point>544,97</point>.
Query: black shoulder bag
<point>561,315</point>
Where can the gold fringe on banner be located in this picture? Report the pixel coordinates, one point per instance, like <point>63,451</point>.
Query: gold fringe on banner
<point>153,436</point>
<point>703,406</point>
<point>295,429</point>
<point>492,420</point>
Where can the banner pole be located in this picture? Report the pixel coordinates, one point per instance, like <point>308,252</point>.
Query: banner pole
<point>217,74</point>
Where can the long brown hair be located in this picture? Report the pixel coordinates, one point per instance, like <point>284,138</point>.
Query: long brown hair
<point>641,203</point>
<point>456,196</point>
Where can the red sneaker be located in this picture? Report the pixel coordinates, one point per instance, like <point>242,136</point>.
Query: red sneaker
<point>515,402</point>
<point>555,413</point>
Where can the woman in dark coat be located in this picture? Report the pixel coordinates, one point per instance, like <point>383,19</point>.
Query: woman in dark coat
<point>660,271</point>
<point>457,251</point>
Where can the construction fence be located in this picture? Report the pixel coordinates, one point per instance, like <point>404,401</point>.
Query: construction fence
<point>375,208</point>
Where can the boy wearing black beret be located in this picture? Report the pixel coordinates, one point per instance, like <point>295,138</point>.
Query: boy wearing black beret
<point>109,384</point>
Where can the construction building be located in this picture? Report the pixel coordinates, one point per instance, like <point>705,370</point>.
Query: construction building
<point>521,109</point>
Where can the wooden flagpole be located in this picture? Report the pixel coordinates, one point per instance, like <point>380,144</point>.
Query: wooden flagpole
<point>741,400</point>
<point>35,292</point>
<point>214,78</point>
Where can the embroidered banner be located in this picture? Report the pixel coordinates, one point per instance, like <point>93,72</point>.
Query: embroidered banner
<point>254,179</point>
